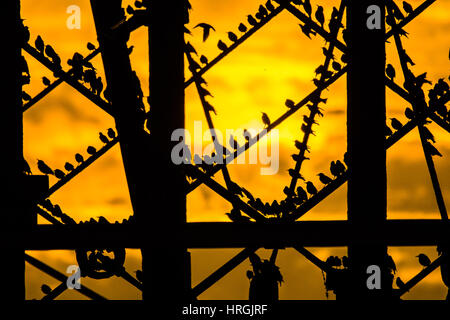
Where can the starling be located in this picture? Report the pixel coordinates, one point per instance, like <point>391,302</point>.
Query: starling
<point>409,113</point>
<point>45,81</point>
<point>130,9</point>
<point>44,168</point>
<point>397,125</point>
<point>91,150</point>
<point>336,66</point>
<point>194,66</point>
<point>327,53</point>
<point>407,58</point>
<point>324,178</point>
<point>399,282</point>
<point>39,44</point>
<point>311,188</point>
<point>391,264</point>
<point>45,289</point>
<point>333,169</point>
<point>297,157</point>
<point>57,211</point>
<point>340,166</point>
<point>59,174</point>
<point>103,138</point>
<point>270,6</point>
<point>289,103</point>
<point>300,145</point>
<point>79,158</point>
<point>50,52</point>
<point>252,21</point>
<point>424,260</point>
<point>295,174</point>
<point>25,96</point>
<point>206,29</point>
<point>236,216</point>
<point>262,11</point>
<point>301,193</point>
<point>221,45</point>
<point>68,166</point>
<point>232,36</point>
<point>249,274</point>
<point>287,191</point>
<point>242,28</point>
<point>320,16</point>
<point>265,119</point>
<point>111,133</point>
<point>90,46</point>
<point>203,59</point>
<point>204,92</point>
<point>407,7</point>
<point>390,72</point>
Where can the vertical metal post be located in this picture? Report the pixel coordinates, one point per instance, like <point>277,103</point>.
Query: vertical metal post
<point>166,263</point>
<point>12,261</point>
<point>366,118</point>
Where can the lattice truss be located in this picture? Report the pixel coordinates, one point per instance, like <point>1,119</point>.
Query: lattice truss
<point>424,109</point>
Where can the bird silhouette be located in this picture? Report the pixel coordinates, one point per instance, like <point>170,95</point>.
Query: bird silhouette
<point>301,194</point>
<point>429,148</point>
<point>206,29</point>
<point>91,150</point>
<point>236,216</point>
<point>45,289</point>
<point>203,59</point>
<point>301,146</point>
<point>269,6</point>
<point>221,45</point>
<point>390,72</point>
<point>79,158</point>
<point>311,188</point>
<point>232,36</point>
<point>407,7</point>
<point>252,21</point>
<point>390,263</point>
<point>59,174</point>
<point>327,53</point>
<point>399,282</point>
<point>103,138</point>
<point>320,16</point>
<point>44,168</point>
<point>45,81</point>
<point>68,166</point>
<point>194,66</point>
<point>407,58</point>
<point>111,133</point>
<point>90,46</point>
<point>297,157</point>
<point>409,113</point>
<point>295,174</point>
<point>39,44</point>
<point>289,103</point>
<point>262,11</point>
<point>397,125</point>
<point>242,28</point>
<point>130,9</point>
<point>340,166</point>
<point>287,191</point>
<point>424,260</point>
<point>249,274</point>
<point>336,66</point>
<point>307,31</point>
<point>265,119</point>
<point>324,178</point>
<point>56,210</point>
<point>204,92</point>
<point>233,143</point>
<point>307,129</point>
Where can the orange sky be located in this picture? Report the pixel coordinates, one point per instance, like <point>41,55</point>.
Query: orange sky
<point>278,62</point>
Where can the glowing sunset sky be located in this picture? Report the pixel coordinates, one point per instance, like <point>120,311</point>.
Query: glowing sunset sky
<point>277,63</point>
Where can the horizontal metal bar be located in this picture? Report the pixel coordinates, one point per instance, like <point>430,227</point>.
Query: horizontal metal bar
<point>217,235</point>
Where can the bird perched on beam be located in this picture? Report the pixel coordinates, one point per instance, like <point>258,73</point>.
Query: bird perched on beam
<point>103,138</point>
<point>59,174</point>
<point>265,119</point>
<point>424,260</point>
<point>311,188</point>
<point>242,28</point>
<point>390,72</point>
<point>111,133</point>
<point>79,158</point>
<point>407,7</point>
<point>68,166</point>
<point>44,168</point>
<point>324,178</point>
<point>397,125</point>
<point>320,16</point>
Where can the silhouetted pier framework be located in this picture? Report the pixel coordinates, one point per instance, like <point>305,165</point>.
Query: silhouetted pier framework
<point>158,226</point>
